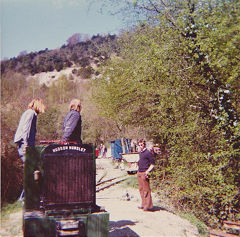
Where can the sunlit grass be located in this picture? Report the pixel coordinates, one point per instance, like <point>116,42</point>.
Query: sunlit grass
<point>131,182</point>
<point>202,228</point>
<point>11,220</point>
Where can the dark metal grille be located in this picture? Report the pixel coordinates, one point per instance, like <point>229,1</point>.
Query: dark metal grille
<point>69,178</point>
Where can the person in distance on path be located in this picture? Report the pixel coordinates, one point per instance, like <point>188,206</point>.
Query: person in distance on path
<point>145,165</point>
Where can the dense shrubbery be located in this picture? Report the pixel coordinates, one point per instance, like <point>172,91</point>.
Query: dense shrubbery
<point>179,79</point>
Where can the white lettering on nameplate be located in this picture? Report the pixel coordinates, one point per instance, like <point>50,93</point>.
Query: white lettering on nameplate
<point>74,148</point>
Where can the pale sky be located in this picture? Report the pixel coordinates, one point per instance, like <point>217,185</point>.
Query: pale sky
<point>33,25</point>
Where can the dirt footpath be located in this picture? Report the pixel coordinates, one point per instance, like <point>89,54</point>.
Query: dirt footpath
<point>126,220</point>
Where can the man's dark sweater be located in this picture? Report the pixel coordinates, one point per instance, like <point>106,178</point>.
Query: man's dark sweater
<point>72,127</point>
<point>146,159</point>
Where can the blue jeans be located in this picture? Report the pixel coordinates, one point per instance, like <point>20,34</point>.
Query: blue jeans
<point>21,152</point>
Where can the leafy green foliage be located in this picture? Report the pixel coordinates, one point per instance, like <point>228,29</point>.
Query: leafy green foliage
<point>179,79</point>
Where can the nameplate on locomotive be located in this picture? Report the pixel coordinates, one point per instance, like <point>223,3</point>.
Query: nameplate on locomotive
<point>74,148</point>
<point>66,148</point>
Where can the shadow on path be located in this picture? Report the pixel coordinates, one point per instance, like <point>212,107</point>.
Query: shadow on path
<point>157,208</point>
<point>121,229</point>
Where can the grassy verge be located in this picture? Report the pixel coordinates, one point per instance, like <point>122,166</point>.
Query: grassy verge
<point>131,182</point>
<point>202,228</point>
<point>11,220</point>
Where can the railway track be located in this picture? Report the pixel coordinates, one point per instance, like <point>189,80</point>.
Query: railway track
<point>229,226</point>
<point>110,182</point>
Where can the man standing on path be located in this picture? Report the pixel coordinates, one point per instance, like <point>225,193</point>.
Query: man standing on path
<point>145,165</point>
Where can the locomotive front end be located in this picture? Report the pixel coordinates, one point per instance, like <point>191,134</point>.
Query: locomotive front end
<point>60,192</point>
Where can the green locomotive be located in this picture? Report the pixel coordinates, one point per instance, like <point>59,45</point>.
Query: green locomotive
<point>60,192</point>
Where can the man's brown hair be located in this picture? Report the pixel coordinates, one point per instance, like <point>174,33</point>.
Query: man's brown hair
<point>142,141</point>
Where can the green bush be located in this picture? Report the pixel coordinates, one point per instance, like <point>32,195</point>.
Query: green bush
<point>86,73</point>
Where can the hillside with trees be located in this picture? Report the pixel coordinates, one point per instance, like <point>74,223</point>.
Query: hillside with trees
<point>76,52</point>
<point>173,79</point>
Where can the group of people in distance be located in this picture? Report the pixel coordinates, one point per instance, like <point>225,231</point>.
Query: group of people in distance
<point>71,131</point>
